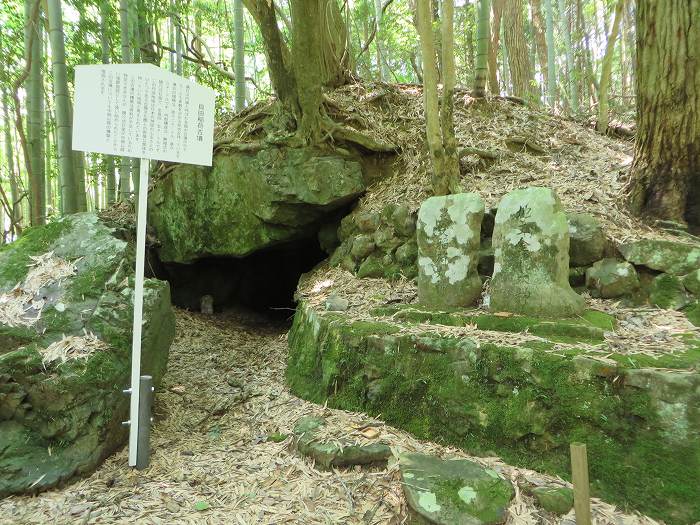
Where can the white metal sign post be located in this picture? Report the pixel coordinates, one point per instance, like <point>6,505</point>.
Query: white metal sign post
<point>142,111</point>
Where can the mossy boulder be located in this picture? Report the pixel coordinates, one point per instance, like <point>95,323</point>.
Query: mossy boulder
<point>65,361</point>
<point>610,278</point>
<point>557,500</point>
<point>587,241</point>
<point>247,202</point>
<point>667,291</point>
<point>531,251</point>
<point>340,451</point>
<point>453,491</point>
<point>448,234</point>
<point>672,257</point>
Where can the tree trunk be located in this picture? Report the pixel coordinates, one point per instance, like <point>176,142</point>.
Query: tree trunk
<point>179,44</point>
<point>449,140</point>
<point>276,52</point>
<point>69,192</point>
<point>588,56</point>
<point>665,174</point>
<point>602,125</point>
<point>482,48</point>
<point>539,30</point>
<point>572,93</point>
<point>518,60</point>
<point>440,177</point>
<point>383,69</point>
<point>551,68</point>
<point>239,54</point>
<point>34,87</point>
<point>497,8</point>
<point>308,69</point>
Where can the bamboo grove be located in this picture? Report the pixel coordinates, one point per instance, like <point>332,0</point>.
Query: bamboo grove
<point>577,58</point>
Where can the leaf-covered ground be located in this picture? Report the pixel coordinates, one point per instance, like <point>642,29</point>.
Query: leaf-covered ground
<point>222,451</point>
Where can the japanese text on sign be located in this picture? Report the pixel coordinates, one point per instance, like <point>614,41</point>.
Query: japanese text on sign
<point>139,110</point>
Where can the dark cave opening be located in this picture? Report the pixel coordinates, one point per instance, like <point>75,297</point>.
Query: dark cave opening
<point>264,281</point>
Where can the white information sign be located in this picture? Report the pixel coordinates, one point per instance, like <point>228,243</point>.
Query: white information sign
<point>140,110</point>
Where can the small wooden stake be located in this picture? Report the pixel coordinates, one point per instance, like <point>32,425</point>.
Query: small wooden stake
<point>579,476</point>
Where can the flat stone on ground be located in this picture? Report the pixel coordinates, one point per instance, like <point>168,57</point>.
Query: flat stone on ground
<point>557,500</point>
<point>453,492</point>
<point>340,452</point>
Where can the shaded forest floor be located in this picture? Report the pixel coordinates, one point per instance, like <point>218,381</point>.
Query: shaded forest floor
<point>222,451</point>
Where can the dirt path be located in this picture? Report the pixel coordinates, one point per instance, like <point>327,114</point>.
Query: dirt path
<point>221,408</point>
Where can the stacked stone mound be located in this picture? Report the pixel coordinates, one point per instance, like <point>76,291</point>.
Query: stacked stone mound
<point>381,244</point>
<point>66,306</point>
<point>527,247</point>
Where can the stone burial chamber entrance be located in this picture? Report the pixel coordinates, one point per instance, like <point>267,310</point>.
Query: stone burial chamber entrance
<point>244,230</point>
<point>264,281</point>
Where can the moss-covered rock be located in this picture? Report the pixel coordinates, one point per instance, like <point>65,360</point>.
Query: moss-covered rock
<point>531,250</point>
<point>453,491</point>
<point>672,257</point>
<point>610,278</point>
<point>338,452</point>
<point>691,282</point>
<point>587,241</point>
<point>667,291</point>
<point>247,202</point>
<point>557,500</point>
<point>448,234</point>
<point>527,403</point>
<point>64,363</point>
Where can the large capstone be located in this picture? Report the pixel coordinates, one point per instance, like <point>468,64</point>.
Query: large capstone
<point>453,492</point>
<point>448,233</point>
<point>66,307</point>
<point>531,254</point>
<point>247,202</point>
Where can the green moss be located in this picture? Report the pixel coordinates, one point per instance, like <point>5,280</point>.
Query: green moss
<point>590,326</point>
<point>89,283</point>
<point>15,257</point>
<point>12,338</point>
<point>525,403</point>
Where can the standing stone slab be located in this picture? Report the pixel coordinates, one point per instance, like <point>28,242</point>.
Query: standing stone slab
<point>448,232</point>
<point>453,492</point>
<point>531,251</point>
